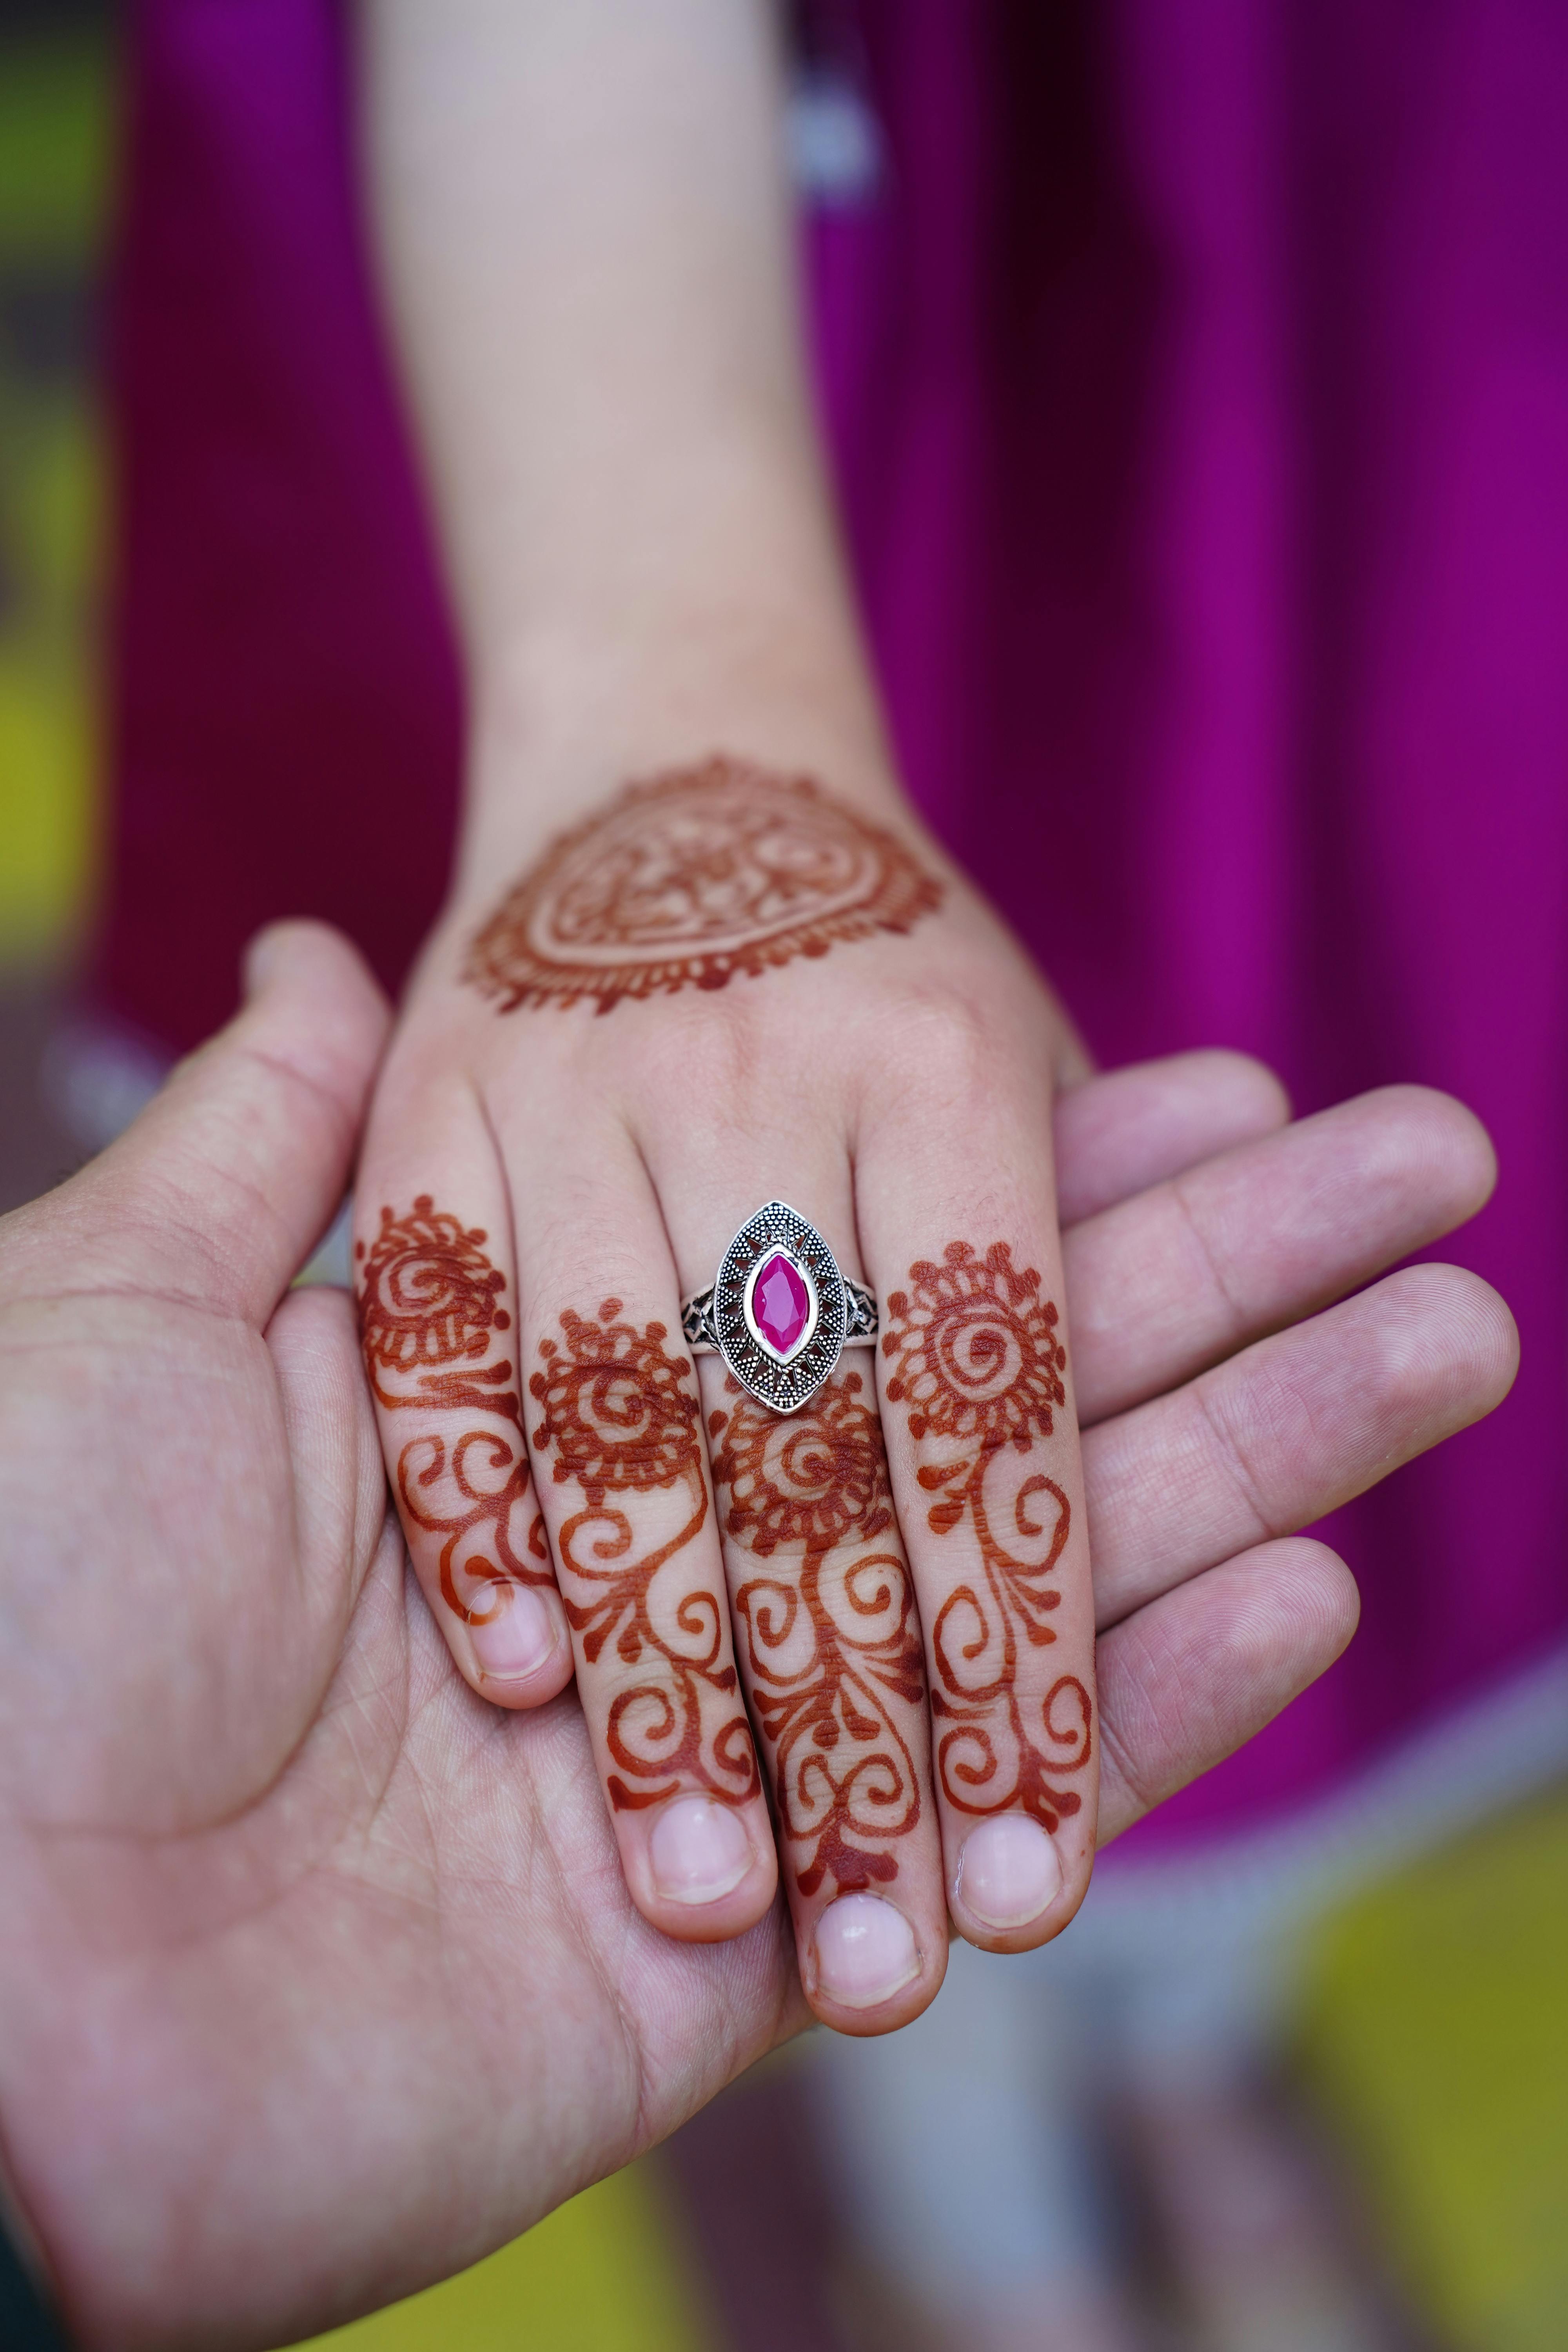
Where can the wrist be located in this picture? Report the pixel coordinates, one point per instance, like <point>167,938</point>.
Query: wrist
<point>730,627</point>
<point>575,724</point>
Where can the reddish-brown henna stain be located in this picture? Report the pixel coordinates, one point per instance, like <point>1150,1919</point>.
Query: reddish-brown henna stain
<point>689,878</point>
<point>975,1358</point>
<point>430,1300</point>
<point>620,1416</point>
<point>825,1664</point>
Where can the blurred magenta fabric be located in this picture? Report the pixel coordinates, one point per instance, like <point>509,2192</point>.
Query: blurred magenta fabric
<point>1197,379</point>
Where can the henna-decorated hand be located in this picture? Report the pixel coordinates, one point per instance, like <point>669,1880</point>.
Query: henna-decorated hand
<point>320,1978</point>
<point>725,986</point>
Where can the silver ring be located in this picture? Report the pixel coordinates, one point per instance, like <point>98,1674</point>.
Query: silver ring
<point>779,1310</point>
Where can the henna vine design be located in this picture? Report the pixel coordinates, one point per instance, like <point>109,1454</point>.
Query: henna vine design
<point>621,1418</point>
<point>830,1655</point>
<point>429,1298</point>
<point>975,1360</point>
<point>686,879</point>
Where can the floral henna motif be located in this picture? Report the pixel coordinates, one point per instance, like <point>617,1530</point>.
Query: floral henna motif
<point>429,1299</point>
<point>975,1358</point>
<point>689,878</point>
<point>621,1418</point>
<point>832,1648</point>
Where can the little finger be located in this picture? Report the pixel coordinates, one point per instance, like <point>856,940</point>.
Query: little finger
<point>820,1592</point>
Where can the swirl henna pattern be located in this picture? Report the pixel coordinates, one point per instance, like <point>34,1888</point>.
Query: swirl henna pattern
<point>689,878</point>
<point>621,1418</point>
<point>975,1358</point>
<point>429,1298</point>
<point>832,1645</point>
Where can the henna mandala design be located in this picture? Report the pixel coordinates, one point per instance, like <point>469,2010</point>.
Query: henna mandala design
<point>828,1655</point>
<point>976,1361</point>
<point>621,1418</point>
<point>689,878</point>
<point>428,1298</point>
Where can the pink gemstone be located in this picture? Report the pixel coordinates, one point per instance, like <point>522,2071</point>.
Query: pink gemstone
<point>781,1303</point>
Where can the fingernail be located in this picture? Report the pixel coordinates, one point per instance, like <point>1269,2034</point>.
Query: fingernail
<point>866,1951</point>
<point>518,1641</point>
<point>698,1851</point>
<point>1009,1872</point>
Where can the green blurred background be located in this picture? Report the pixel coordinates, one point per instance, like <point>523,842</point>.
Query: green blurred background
<point>1431,2051</point>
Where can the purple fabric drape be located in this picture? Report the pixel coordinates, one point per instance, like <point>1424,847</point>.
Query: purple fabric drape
<point>285,713</point>
<point>1198,386</point>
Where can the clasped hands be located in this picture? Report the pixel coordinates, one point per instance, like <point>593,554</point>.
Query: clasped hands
<point>323,1974</point>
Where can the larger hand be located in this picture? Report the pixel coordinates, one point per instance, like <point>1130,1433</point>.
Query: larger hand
<point>318,1977</point>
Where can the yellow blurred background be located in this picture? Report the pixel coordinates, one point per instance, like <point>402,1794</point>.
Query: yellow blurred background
<point>1431,2043</point>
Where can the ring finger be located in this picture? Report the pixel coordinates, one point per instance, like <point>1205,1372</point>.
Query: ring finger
<point>981,1434</point>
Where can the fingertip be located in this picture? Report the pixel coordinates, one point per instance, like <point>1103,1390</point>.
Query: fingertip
<point>1324,1574</point>
<point>1457,1315</point>
<point>261,958</point>
<point>518,1650</point>
<point>1252,1098</point>
<point>701,1869</point>
<point>300,958</point>
<point>1460,1157</point>
<point>1495,1318</point>
<point>867,1968</point>
<point>699,1851</point>
<point>1009,1882</point>
<point>1310,1604</point>
<point>1475,1157</point>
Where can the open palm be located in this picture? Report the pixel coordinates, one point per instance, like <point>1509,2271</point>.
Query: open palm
<point>321,1977</point>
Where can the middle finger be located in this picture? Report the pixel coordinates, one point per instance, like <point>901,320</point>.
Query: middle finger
<point>826,1633</point>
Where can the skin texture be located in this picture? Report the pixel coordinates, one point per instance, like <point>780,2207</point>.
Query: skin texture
<point>768,935</point>
<point>321,1975</point>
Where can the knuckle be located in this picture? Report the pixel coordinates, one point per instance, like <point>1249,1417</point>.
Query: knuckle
<point>1232,1456</point>
<point>948,1044</point>
<point>710,1049</point>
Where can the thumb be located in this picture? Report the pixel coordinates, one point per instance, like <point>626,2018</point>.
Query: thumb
<point>223,1185</point>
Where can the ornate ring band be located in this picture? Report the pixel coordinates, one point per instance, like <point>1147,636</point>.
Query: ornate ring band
<point>779,1311</point>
